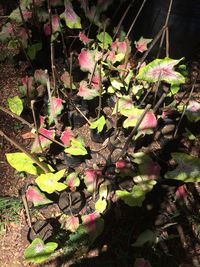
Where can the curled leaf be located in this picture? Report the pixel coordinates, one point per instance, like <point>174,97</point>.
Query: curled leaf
<point>72,20</point>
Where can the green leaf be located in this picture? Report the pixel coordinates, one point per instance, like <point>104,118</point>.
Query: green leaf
<point>48,182</point>
<point>15,105</point>
<point>33,49</point>
<point>136,197</point>
<point>144,237</point>
<point>77,148</point>
<point>105,39</point>
<point>101,203</point>
<point>188,169</point>
<point>162,69</point>
<point>37,251</point>
<point>71,19</point>
<point>116,83</point>
<point>22,163</point>
<point>99,124</point>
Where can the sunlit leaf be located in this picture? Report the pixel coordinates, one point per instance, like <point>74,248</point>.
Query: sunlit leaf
<point>48,182</point>
<point>37,251</point>
<point>162,69</point>
<point>72,20</point>
<point>125,102</point>
<point>136,197</point>
<point>22,163</point>
<point>101,203</point>
<point>15,105</point>
<point>88,59</point>
<point>34,195</point>
<point>187,170</point>
<point>77,148</point>
<point>99,124</point>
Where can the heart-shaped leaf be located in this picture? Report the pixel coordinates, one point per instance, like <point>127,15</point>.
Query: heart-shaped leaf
<point>162,69</point>
<point>33,194</point>
<point>41,76</point>
<point>15,105</point>
<point>55,108</point>
<point>65,78</point>
<point>88,59</point>
<point>37,251</point>
<point>86,92</point>
<point>43,142</point>
<point>125,102</point>
<point>77,148</point>
<point>72,20</point>
<point>48,182</point>
<point>22,163</point>
<point>90,179</point>
<point>69,222</point>
<point>188,169</point>
<point>99,124</point>
<point>67,136</point>
<point>193,111</point>
<point>141,44</point>
<point>105,40</point>
<point>136,197</point>
<point>72,180</point>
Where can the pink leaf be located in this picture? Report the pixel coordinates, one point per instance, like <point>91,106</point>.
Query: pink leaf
<point>26,14</point>
<point>47,29</point>
<point>66,136</point>
<point>83,38</point>
<point>149,122</point>
<point>65,78</point>
<point>8,28</point>
<point>88,59</point>
<point>55,108</point>
<point>111,56</point>
<point>23,36</point>
<point>141,45</point>
<point>90,179</point>
<point>181,192</point>
<point>90,221</point>
<point>55,23</point>
<point>41,76</point>
<point>121,164</point>
<point>28,84</point>
<point>42,121</point>
<point>119,47</point>
<point>71,223</point>
<point>33,194</point>
<point>44,142</point>
<point>85,92</point>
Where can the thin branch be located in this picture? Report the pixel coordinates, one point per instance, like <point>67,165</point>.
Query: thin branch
<point>35,124</point>
<point>134,21</point>
<point>43,166</point>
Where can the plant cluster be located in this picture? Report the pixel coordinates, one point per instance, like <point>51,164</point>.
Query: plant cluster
<point>117,95</point>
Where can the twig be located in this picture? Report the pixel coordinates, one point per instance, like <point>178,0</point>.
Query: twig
<point>167,42</point>
<point>35,124</point>
<point>165,25</point>
<point>71,102</point>
<point>134,130</point>
<point>44,167</point>
<point>136,17</point>
<point>30,126</point>
<point>52,47</point>
<point>185,106</point>
<point>122,19</point>
<point>70,71</point>
<point>24,200</point>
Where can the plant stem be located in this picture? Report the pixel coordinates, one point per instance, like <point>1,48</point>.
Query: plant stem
<point>24,23</point>
<point>122,19</point>
<point>35,124</point>
<point>52,47</point>
<point>165,25</point>
<point>30,126</point>
<point>136,17</point>
<point>134,130</point>
<point>23,149</point>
